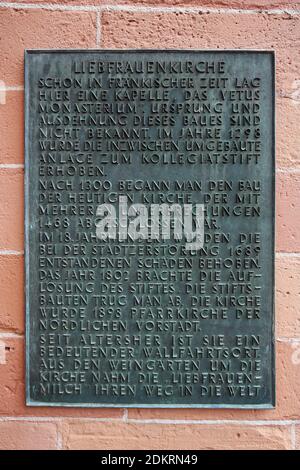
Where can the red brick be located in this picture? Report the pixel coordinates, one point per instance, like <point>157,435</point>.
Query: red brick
<point>208,31</point>
<point>288,380</point>
<point>287,212</point>
<point>12,389</point>
<point>12,293</point>
<point>11,209</point>
<point>200,30</point>
<point>12,128</point>
<point>240,4</point>
<point>97,435</point>
<point>40,29</point>
<point>287,297</point>
<point>26,435</point>
<point>287,129</point>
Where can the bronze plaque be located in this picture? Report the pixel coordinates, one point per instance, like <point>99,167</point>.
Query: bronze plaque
<point>149,228</point>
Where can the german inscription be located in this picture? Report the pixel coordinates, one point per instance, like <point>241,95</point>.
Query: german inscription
<point>149,228</point>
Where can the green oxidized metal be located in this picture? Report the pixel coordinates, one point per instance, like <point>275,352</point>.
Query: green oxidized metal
<point>146,322</point>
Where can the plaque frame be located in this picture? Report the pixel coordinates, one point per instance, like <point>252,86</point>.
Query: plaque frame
<point>33,403</point>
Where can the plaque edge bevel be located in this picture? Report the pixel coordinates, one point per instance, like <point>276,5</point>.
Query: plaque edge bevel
<point>273,306</point>
<point>261,406</point>
<point>26,231</point>
<point>32,403</point>
<point>30,51</point>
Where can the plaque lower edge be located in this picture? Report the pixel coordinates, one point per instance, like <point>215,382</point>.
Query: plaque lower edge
<point>261,406</point>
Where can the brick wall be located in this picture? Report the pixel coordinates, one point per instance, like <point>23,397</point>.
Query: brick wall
<point>265,24</point>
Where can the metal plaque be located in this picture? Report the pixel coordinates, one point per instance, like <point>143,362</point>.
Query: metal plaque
<point>149,228</point>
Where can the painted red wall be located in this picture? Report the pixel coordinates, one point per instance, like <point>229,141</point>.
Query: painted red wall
<point>154,24</point>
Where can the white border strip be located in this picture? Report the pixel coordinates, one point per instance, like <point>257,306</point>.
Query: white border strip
<point>287,254</point>
<point>11,166</point>
<point>11,336</point>
<point>148,9</point>
<point>205,422</point>
<point>11,252</point>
